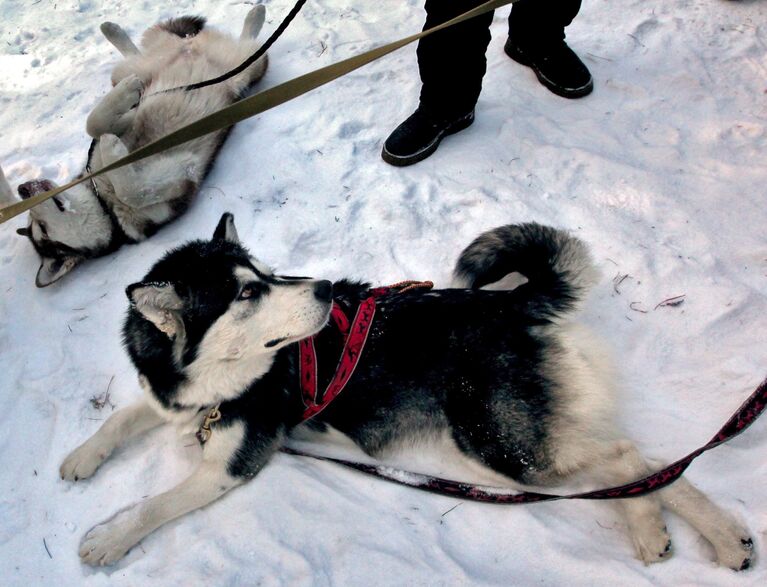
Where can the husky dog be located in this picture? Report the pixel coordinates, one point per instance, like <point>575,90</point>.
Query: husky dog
<point>129,204</point>
<point>500,377</point>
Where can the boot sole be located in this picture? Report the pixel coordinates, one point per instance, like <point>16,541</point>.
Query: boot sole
<point>405,160</point>
<point>571,93</point>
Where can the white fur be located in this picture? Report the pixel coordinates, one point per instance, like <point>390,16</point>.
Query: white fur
<point>6,194</point>
<point>111,540</point>
<point>120,427</point>
<point>233,352</point>
<point>136,112</point>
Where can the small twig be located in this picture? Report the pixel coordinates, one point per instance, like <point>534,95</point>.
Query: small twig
<point>103,400</point>
<point>671,302</point>
<point>637,40</point>
<point>451,509</point>
<point>611,261</point>
<point>632,304</point>
<point>598,56</point>
<point>46,548</point>
<point>605,527</point>
<point>618,279</point>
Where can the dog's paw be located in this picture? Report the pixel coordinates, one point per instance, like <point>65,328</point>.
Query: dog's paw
<point>83,461</point>
<point>128,92</point>
<point>108,542</point>
<point>735,549</point>
<point>652,544</point>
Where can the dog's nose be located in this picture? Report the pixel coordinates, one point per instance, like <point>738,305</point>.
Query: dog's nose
<point>323,290</point>
<point>30,188</point>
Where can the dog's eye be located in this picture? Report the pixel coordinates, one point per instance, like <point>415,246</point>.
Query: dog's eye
<point>251,291</point>
<point>59,205</point>
<point>43,228</point>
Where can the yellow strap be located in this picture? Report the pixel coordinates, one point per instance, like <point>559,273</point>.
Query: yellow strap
<point>249,107</point>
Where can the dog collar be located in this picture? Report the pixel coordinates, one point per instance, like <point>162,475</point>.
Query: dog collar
<point>354,334</point>
<point>119,236</point>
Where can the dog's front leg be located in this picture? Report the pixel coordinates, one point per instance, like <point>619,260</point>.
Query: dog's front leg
<point>115,112</point>
<point>109,541</point>
<point>120,427</point>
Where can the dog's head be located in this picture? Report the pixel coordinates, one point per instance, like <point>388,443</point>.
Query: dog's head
<point>216,302</point>
<point>64,230</point>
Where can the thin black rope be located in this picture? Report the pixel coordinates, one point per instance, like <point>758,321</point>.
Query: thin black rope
<point>250,60</point>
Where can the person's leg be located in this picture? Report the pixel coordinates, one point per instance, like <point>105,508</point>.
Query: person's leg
<point>452,64</point>
<point>537,39</point>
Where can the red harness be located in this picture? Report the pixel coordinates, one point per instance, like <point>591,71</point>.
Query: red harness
<point>355,335</point>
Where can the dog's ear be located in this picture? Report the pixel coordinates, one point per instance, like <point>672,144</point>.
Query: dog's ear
<point>53,269</point>
<point>226,230</point>
<point>159,303</point>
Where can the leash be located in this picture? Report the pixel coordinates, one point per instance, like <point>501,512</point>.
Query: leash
<point>249,61</point>
<point>745,415</point>
<point>249,107</point>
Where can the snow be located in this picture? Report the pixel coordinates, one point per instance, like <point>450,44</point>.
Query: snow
<point>662,171</point>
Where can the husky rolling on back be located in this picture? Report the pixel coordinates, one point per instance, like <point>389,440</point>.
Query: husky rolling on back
<point>129,204</point>
<point>497,378</point>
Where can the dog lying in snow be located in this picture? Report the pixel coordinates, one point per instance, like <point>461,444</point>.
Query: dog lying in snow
<point>497,377</point>
<point>129,204</point>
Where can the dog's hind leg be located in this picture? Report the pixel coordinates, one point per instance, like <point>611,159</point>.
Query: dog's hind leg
<point>109,541</point>
<point>120,427</point>
<point>734,547</point>
<point>115,112</point>
<point>254,22</point>
<point>119,38</point>
<point>623,464</point>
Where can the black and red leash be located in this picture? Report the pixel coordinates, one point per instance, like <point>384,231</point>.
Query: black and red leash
<point>746,415</point>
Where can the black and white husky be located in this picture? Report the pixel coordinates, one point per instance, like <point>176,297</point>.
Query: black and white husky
<point>499,378</point>
<point>129,204</point>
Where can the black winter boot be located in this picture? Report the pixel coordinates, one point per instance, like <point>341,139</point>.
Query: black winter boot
<point>557,67</point>
<point>419,136</point>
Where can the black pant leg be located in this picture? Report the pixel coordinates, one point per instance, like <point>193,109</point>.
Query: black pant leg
<point>452,62</point>
<point>541,22</point>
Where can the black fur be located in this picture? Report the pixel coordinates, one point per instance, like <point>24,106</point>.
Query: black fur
<point>465,360</point>
<point>201,272</point>
<point>183,26</point>
<point>546,256</point>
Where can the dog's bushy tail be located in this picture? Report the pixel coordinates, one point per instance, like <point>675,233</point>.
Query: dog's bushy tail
<point>557,266</point>
<point>183,26</point>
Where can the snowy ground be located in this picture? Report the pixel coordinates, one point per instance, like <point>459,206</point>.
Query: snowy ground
<point>662,170</point>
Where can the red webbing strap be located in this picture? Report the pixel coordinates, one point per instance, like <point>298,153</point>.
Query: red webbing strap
<point>748,412</point>
<point>355,342</point>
